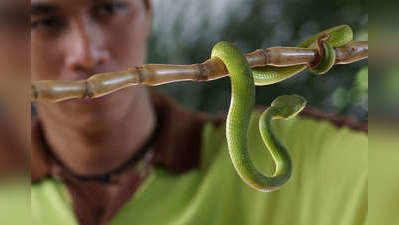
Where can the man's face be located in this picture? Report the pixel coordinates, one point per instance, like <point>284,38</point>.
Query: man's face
<point>74,39</point>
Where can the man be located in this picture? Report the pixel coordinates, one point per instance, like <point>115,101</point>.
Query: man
<point>136,157</point>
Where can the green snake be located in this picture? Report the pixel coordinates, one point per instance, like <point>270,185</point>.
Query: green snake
<point>243,81</point>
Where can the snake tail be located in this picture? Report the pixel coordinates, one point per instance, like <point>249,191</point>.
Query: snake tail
<point>241,106</point>
<point>326,56</point>
<point>339,36</point>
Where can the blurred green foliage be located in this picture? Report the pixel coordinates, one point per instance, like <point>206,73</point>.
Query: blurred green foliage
<point>186,30</point>
<point>343,99</point>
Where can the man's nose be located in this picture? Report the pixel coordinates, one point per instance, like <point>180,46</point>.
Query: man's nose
<point>85,46</point>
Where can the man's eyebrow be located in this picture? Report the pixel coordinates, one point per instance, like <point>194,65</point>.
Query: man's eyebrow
<point>43,8</point>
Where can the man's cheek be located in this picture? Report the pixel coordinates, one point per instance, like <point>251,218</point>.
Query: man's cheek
<point>128,49</point>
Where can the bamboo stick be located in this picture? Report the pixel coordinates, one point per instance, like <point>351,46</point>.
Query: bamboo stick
<point>157,74</point>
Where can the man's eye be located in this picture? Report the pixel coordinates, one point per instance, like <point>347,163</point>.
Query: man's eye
<point>109,8</point>
<point>48,23</point>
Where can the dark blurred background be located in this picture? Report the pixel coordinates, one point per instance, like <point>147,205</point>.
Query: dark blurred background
<point>185,31</point>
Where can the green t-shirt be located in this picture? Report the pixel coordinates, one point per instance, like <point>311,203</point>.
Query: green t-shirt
<point>14,201</point>
<point>329,184</point>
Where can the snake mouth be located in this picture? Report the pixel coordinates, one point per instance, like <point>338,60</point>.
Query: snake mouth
<point>289,105</point>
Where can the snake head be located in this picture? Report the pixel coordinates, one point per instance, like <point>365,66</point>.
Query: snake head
<point>288,106</point>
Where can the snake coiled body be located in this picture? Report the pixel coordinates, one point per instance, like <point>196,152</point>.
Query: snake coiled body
<point>243,80</point>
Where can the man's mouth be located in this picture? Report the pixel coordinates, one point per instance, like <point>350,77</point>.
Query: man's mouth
<point>98,100</point>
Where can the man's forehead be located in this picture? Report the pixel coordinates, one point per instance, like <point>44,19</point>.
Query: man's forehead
<point>69,1</point>
<point>62,1</point>
<point>44,5</point>
<point>50,6</point>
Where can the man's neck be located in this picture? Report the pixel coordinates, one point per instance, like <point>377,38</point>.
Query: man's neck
<point>101,145</point>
